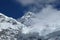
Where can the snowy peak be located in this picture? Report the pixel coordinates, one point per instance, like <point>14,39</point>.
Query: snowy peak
<point>8,22</point>
<point>29,14</point>
<point>4,18</point>
<point>26,19</point>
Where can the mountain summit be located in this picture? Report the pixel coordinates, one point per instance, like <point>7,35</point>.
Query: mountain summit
<point>27,19</point>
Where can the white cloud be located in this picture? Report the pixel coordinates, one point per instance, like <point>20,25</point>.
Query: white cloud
<point>46,21</point>
<point>27,2</point>
<point>37,5</point>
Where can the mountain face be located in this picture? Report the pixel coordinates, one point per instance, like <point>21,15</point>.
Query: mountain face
<point>9,28</point>
<point>27,19</point>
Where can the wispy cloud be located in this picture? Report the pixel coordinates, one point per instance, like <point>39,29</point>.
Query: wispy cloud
<point>27,2</point>
<point>37,5</point>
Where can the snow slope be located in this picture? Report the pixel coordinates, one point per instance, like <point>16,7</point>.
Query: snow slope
<point>9,27</point>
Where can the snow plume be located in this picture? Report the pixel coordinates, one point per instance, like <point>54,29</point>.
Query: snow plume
<point>45,22</point>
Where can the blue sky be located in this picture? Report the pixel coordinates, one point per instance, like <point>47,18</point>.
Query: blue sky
<point>11,8</point>
<point>17,10</point>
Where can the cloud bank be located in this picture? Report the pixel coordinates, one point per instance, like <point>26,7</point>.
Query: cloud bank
<point>47,17</point>
<point>46,21</point>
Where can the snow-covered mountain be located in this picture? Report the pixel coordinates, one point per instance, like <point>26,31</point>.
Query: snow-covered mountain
<point>9,27</point>
<point>27,19</point>
<point>45,23</point>
<point>30,27</point>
